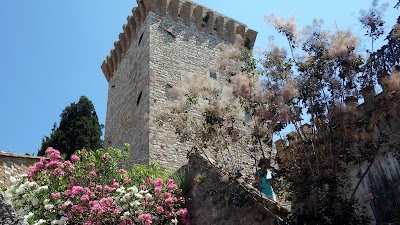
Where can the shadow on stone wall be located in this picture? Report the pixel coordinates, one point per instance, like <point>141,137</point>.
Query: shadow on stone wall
<point>215,199</point>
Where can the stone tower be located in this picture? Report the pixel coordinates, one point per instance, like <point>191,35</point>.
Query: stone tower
<point>161,41</point>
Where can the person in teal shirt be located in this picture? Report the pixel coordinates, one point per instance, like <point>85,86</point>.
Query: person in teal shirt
<point>263,178</point>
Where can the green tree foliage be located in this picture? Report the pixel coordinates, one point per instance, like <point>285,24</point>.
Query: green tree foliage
<point>79,128</point>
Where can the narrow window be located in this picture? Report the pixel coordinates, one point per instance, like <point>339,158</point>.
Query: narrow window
<point>170,33</point>
<point>140,39</point>
<point>213,75</point>
<point>138,99</point>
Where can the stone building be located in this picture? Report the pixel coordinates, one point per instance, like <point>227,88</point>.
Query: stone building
<point>163,40</point>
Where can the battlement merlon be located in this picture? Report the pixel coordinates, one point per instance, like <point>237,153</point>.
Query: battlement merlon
<point>203,18</point>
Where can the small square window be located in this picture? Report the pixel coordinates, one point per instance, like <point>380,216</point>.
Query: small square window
<point>213,75</point>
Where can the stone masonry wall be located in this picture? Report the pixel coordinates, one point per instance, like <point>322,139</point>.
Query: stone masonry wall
<point>128,99</point>
<point>163,40</point>
<point>14,165</point>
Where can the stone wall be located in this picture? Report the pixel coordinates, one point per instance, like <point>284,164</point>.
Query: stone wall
<point>128,99</point>
<point>215,199</point>
<point>14,165</point>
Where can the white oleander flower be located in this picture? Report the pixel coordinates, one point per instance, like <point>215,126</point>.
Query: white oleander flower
<point>63,220</point>
<point>28,216</point>
<point>143,191</point>
<point>134,204</point>
<point>139,196</point>
<point>41,221</point>
<point>46,201</point>
<point>133,189</point>
<point>42,188</point>
<point>34,201</point>
<point>32,184</point>
<point>67,203</point>
<point>49,206</point>
<point>149,196</point>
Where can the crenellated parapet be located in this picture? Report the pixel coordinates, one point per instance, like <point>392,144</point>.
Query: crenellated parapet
<point>192,14</point>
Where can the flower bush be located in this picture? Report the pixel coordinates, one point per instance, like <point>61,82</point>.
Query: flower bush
<point>93,188</point>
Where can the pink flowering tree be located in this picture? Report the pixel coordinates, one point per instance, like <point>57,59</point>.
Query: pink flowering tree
<point>93,188</point>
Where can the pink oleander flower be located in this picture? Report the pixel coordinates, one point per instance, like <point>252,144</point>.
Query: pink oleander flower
<point>86,190</point>
<point>76,190</point>
<point>116,212</point>
<point>157,189</point>
<point>69,165</point>
<point>66,193</point>
<point>31,171</point>
<point>127,180</point>
<point>52,163</point>
<point>143,187</point>
<point>54,196</point>
<point>122,171</point>
<point>108,188</point>
<point>160,209</point>
<point>92,164</point>
<point>58,171</point>
<point>147,217</point>
<point>183,212</point>
<point>168,200</point>
<point>68,215</point>
<point>74,158</point>
<point>115,185</point>
<point>94,205</point>
<point>92,173</point>
<point>158,182</point>
<point>172,186</point>
<point>78,208</point>
<point>85,198</point>
<point>54,154</point>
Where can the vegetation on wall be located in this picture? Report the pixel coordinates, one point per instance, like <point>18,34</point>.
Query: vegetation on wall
<point>313,87</point>
<point>79,128</point>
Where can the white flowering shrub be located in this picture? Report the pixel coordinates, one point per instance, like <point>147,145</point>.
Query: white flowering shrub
<point>91,189</point>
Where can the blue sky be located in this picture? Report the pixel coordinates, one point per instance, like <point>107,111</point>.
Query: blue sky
<point>52,50</point>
